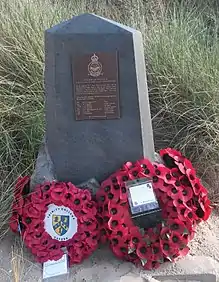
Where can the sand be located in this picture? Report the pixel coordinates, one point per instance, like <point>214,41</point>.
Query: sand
<point>102,266</point>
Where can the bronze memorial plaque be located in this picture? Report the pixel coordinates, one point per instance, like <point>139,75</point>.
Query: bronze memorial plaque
<point>96,86</point>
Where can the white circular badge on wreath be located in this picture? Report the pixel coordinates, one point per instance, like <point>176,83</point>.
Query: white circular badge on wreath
<point>60,222</point>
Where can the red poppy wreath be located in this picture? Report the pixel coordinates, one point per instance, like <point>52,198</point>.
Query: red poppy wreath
<point>54,218</point>
<point>182,199</point>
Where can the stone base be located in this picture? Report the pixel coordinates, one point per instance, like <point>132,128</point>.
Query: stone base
<point>187,278</point>
<point>169,278</point>
<point>44,171</point>
<point>43,168</point>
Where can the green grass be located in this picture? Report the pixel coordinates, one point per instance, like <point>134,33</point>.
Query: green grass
<point>182,56</point>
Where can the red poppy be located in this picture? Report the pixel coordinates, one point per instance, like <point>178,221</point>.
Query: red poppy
<point>160,185</point>
<point>175,192</point>
<point>121,177</point>
<point>120,249</point>
<point>123,194</point>
<point>156,264</point>
<point>115,209</point>
<point>171,152</point>
<point>114,195</point>
<point>178,202</point>
<point>22,183</point>
<point>191,215</point>
<point>178,240</point>
<point>56,254</point>
<point>171,157</point>
<point>143,251</point>
<point>42,188</point>
<point>181,167</point>
<point>166,200</point>
<point>157,252</point>
<point>91,242</point>
<point>68,197</point>
<point>181,212</point>
<point>121,232</point>
<point>198,188</point>
<point>36,204</point>
<point>17,205</point>
<point>127,166</point>
<point>13,222</point>
<point>176,173</point>
<point>183,251</point>
<point>135,236</point>
<point>191,176</point>
<point>85,194</point>
<point>88,207</point>
<point>147,264</point>
<point>57,192</point>
<point>133,258</point>
<point>188,165</point>
<point>114,222</point>
<point>37,200</point>
<point>159,194</point>
<point>172,212</point>
<point>165,234</point>
<point>176,225</point>
<point>75,255</point>
<point>206,208</point>
<point>134,171</point>
<point>146,167</point>
<point>101,197</point>
<point>89,225</point>
<point>184,180</point>
<point>125,239</point>
<point>152,235</point>
<point>111,191</point>
<point>168,248</point>
<point>191,235</point>
<point>161,171</point>
<point>32,212</point>
<point>165,213</point>
<point>187,193</point>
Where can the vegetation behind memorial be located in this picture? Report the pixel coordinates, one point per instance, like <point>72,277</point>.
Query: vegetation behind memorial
<point>182,56</point>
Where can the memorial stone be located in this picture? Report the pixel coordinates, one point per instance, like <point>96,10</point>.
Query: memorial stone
<point>97,105</point>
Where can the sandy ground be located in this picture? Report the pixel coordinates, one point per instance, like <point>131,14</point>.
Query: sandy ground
<point>104,267</point>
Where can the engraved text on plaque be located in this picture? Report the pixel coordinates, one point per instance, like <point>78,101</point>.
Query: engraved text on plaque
<point>96,86</point>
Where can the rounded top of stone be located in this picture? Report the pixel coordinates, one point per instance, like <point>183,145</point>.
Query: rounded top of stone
<point>90,24</point>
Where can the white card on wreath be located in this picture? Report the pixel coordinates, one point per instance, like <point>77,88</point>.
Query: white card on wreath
<point>142,194</point>
<point>54,268</point>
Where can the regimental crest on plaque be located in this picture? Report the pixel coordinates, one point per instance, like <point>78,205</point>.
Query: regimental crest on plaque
<point>60,222</point>
<point>95,67</point>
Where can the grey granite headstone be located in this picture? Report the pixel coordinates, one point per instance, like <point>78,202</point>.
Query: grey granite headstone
<point>97,106</point>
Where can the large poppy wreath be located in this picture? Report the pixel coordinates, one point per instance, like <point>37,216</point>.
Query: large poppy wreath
<point>183,201</point>
<point>55,218</point>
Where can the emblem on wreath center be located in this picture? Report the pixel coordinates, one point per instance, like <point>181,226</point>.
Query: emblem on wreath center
<point>60,224</point>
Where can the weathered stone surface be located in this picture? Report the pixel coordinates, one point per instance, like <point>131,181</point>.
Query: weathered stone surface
<point>188,278</point>
<point>132,278</point>
<point>91,184</point>
<point>188,266</point>
<point>86,149</point>
<point>44,170</point>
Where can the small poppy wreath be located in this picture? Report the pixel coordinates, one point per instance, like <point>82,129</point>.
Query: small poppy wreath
<point>47,234</point>
<point>183,201</point>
